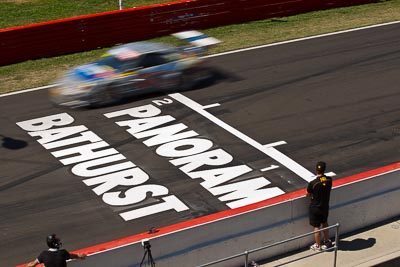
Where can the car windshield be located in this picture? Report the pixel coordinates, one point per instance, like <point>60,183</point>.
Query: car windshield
<point>118,64</point>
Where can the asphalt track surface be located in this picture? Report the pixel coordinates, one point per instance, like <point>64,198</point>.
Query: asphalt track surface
<point>334,98</point>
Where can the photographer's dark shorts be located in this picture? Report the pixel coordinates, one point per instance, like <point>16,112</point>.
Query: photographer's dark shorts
<point>318,216</point>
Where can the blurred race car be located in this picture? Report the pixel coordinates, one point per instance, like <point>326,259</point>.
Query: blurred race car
<point>135,69</point>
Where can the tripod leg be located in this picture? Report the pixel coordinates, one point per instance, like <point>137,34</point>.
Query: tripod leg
<point>144,256</point>
<point>151,260</point>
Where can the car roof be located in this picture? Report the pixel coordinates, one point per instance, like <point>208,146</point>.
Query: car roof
<point>142,47</point>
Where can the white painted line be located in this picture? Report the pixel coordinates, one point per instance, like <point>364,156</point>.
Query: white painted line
<point>28,90</point>
<point>275,144</point>
<point>247,49</point>
<point>288,163</point>
<point>211,106</point>
<point>272,167</point>
<point>327,174</point>
<point>269,151</point>
<point>330,174</point>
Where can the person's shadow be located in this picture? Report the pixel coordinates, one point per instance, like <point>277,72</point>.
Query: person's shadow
<point>356,244</point>
<point>11,143</point>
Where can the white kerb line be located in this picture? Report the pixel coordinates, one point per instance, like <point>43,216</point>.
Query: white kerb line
<point>266,149</point>
<point>272,167</point>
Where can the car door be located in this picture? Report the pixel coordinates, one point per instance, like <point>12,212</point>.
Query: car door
<point>155,72</point>
<point>126,81</point>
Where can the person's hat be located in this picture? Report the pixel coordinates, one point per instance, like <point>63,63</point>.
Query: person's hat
<point>321,167</point>
<point>53,241</point>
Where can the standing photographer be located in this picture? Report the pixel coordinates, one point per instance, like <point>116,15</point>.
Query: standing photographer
<point>54,256</point>
<point>319,191</point>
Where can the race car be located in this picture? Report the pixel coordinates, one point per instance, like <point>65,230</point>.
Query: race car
<point>135,69</point>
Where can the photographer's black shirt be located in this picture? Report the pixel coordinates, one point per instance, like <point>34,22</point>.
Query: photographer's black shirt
<point>54,258</point>
<point>320,188</point>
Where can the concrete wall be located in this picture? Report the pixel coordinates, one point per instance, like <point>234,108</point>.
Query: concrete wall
<point>356,202</point>
<point>84,33</point>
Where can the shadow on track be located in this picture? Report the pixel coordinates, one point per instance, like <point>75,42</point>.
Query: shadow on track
<point>11,143</point>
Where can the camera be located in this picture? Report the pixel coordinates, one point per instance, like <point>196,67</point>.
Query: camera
<point>146,243</point>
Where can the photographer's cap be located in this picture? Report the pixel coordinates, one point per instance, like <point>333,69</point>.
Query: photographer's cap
<point>321,166</point>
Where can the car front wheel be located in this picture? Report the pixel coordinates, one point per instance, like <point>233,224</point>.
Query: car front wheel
<point>186,81</point>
